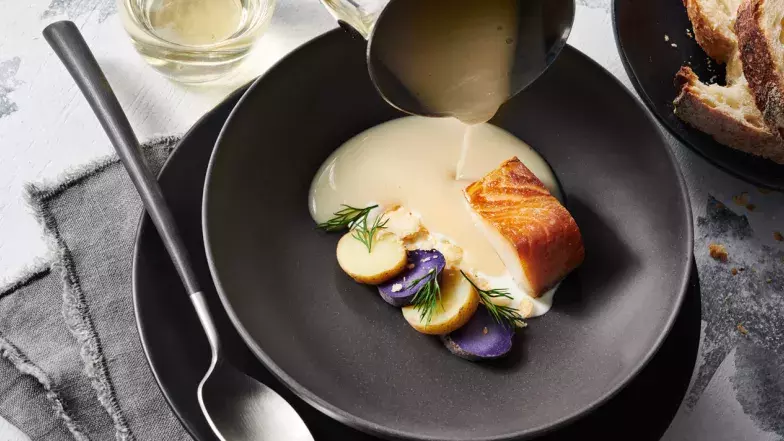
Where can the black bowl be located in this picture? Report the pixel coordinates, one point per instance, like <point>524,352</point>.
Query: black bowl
<point>342,349</point>
<point>651,62</point>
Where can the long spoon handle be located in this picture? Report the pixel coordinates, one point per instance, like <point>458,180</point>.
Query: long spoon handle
<point>66,40</point>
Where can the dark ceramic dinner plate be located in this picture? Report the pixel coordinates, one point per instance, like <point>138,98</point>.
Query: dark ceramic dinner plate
<point>340,348</point>
<point>651,62</point>
<point>178,353</point>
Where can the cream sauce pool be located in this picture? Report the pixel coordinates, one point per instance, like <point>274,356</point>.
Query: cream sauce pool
<point>411,162</point>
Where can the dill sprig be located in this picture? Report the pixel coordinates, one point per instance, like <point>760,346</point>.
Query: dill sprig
<point>356,219</point>
<point>503,315</point>
<point>365,234</point>
<point>428,297</point>
<point>346,218</point>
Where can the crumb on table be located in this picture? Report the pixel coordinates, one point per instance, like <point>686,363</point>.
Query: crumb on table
<point>741,199</point>
<point>778,236</point>
<point>666,37</point>
<point>734,271</point>
<point>718,252</point>
<point>742,329</point>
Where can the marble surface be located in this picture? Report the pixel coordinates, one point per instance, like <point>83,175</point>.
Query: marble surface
<point>46,127</point>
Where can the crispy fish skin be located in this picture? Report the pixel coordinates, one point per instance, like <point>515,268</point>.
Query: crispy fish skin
<point>546,242</point>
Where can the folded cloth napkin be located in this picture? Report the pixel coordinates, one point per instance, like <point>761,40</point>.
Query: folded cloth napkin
<point>72,364</point>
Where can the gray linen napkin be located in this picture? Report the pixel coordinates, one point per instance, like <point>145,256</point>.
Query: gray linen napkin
<point>72,365</point>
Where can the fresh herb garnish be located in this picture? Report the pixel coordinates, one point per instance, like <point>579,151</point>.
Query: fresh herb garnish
<point>365,234</point>
<point>503,315</point>
<point>356,219</point>
<point>346,218</point>
<point>427,297</point>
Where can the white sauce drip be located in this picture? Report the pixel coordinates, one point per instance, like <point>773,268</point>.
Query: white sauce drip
<point>410,162</point>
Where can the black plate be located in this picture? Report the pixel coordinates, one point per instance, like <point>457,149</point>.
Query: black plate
<point>345,351</point>
<point>178,354</point>
<point>651,62</point>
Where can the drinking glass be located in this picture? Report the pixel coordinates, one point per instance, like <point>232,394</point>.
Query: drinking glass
<point>195,41</point>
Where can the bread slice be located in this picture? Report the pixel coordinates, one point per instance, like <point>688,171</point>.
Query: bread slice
<point>728,114</point>
<point>533,234</point>
<point>761,42</point>
<point>712,21</point>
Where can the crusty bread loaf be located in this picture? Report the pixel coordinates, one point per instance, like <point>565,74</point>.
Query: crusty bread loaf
<point>728,114</point>
<point>761,42</point>
<point>712,21</point>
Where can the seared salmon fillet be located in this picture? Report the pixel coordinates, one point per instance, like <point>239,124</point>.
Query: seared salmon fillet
<point>535,236</point>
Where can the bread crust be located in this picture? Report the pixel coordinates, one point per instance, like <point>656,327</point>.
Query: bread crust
<point>514,201</point>
<point>723,127</point>
<point>717,44</point>
<point>759,65</point>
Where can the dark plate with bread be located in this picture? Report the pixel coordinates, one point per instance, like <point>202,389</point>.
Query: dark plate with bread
<point>708,76</point>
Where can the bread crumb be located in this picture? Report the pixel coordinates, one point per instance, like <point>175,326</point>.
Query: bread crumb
<point>778,236</point>
<point>410,266</point>
<point>718,252</point>
<point>769,281</point>
<point>666,37</point>
<point>742,329</point>
<point>397,287</point>
<point>688,33</point>
<point>734,271</point>
<point>484,330</point>
<point>674,45</point>
<point>741,199</point>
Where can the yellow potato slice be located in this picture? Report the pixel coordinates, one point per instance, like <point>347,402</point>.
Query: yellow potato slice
<point>459,301</point>
<point>386,259</point>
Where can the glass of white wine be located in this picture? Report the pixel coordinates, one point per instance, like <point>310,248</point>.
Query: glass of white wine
<point>195,41</point>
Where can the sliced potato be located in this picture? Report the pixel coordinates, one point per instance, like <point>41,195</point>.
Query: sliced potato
<point>459,301</point>
<point>386,259</point>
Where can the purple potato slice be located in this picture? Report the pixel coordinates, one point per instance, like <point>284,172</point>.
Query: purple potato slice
<point>481,338</point>
<point>399,290</point>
